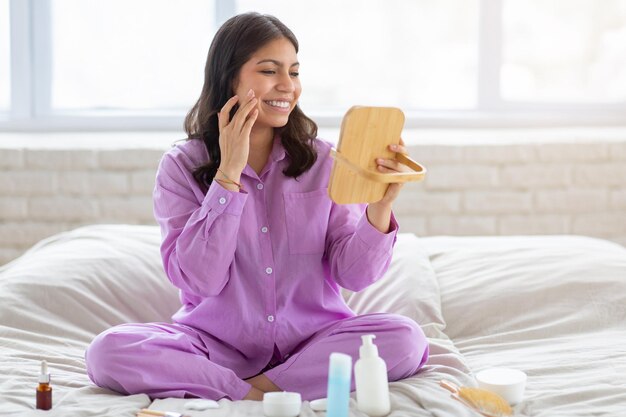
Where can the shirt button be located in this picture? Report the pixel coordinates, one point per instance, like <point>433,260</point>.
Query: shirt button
<point>222,200</point>
<point>259,186</point>
<point>264,229</point>
<point>268,270</point>
<point>270,318</point>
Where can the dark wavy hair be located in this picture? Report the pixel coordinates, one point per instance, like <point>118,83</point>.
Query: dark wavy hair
<point>233,45</point>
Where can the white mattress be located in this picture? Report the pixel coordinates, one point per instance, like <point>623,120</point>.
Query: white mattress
<point>554,307</point>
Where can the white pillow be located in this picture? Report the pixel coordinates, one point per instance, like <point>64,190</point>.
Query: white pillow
<point>529,288</point>
<point>81,282</point>
<point>409,287</point>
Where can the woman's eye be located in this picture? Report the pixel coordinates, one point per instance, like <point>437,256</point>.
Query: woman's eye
<point>268,72</point>
<point>295,74</point>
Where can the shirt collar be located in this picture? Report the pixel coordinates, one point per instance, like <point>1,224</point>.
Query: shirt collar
<point>277,154</point>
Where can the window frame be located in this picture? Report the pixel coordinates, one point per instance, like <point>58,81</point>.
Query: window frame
<point>31,87</point>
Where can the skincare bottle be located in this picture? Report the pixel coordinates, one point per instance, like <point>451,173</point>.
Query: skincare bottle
<point>44,390</point>
<point>370,375</point>
<point>339,376</point>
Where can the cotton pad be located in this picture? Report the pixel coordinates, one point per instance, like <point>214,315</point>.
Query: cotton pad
<point>200,405</point>
<point>318,405</point>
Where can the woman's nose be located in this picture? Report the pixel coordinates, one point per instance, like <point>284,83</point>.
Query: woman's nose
<point>285,83</point>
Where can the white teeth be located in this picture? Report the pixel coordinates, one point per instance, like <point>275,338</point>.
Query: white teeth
<point>281,104</point>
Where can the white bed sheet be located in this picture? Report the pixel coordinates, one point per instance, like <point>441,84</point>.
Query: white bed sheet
<point>551,306</point>
<point>554,307</point>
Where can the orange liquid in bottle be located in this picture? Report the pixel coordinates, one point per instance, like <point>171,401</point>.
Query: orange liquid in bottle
<point>44,397</point>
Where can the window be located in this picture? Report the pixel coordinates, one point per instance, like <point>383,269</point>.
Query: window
<point>128,55</point>
<point>572,51</point>
<point>116,64</point>
<point>370,52</point>
<point>5,62</point>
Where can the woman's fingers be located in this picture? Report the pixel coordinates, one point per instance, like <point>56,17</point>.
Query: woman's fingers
<point>243,113</point>
<point>223,117</point>
<point>399,148</point>
<point>390,165</point>
<point>386,170</point>
<point>247,127</point>
<point>235,132</point>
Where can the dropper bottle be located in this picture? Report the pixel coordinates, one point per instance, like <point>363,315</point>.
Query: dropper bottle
<point>44,390</point>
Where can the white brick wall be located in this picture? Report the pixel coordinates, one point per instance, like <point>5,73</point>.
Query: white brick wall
<point>493,184</point>
<point>532,187</point>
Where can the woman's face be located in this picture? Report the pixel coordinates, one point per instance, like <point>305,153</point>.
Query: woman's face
<point>272,73</point>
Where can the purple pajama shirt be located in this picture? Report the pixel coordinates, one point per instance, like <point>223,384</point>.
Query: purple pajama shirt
<point>259,273</point>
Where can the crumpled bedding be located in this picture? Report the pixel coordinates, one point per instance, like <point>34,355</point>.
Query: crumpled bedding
<point>554,307</point>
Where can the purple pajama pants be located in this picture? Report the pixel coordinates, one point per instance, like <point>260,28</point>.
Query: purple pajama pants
<point>173,360</point>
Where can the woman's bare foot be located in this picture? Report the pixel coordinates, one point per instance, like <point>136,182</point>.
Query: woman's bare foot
<point>254,394</point>
<point>262,383</point>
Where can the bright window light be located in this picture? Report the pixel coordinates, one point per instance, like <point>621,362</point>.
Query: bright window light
<point>139,64</point>
<point>564,51</point>
<point>373,52</point>
<point>129,55</point>
<point>5,61</point>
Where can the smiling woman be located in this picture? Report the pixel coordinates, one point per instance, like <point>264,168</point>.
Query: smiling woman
<point>255,244</point>
<point>258,72</point>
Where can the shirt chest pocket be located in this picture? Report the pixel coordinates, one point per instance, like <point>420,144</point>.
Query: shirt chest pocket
<point>306,215</point>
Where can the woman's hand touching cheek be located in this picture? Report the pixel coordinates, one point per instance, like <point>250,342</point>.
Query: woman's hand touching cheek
<point>235,134</point>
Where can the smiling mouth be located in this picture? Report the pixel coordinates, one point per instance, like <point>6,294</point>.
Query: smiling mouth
<point>279,104</point>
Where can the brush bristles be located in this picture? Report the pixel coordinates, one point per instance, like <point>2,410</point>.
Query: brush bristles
<point>486,402</point>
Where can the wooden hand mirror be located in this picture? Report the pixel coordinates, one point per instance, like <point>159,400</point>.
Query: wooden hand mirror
<point>366,133</point>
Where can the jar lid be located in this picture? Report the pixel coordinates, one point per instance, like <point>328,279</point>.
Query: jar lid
<point>501,376</point>
<point>282,397</point>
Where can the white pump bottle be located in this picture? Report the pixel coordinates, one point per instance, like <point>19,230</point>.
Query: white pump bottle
<point>370,374</point>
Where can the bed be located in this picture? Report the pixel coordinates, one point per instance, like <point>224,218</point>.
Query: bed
<point>552,306</point>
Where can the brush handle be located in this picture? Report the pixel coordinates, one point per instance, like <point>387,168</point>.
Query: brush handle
<point>449,385</point>
<point>146,412</point>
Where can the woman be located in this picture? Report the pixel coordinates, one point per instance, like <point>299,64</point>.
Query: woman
<point>255,245</point>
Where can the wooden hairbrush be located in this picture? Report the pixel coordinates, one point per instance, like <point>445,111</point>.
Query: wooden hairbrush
<point>485,402</point>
